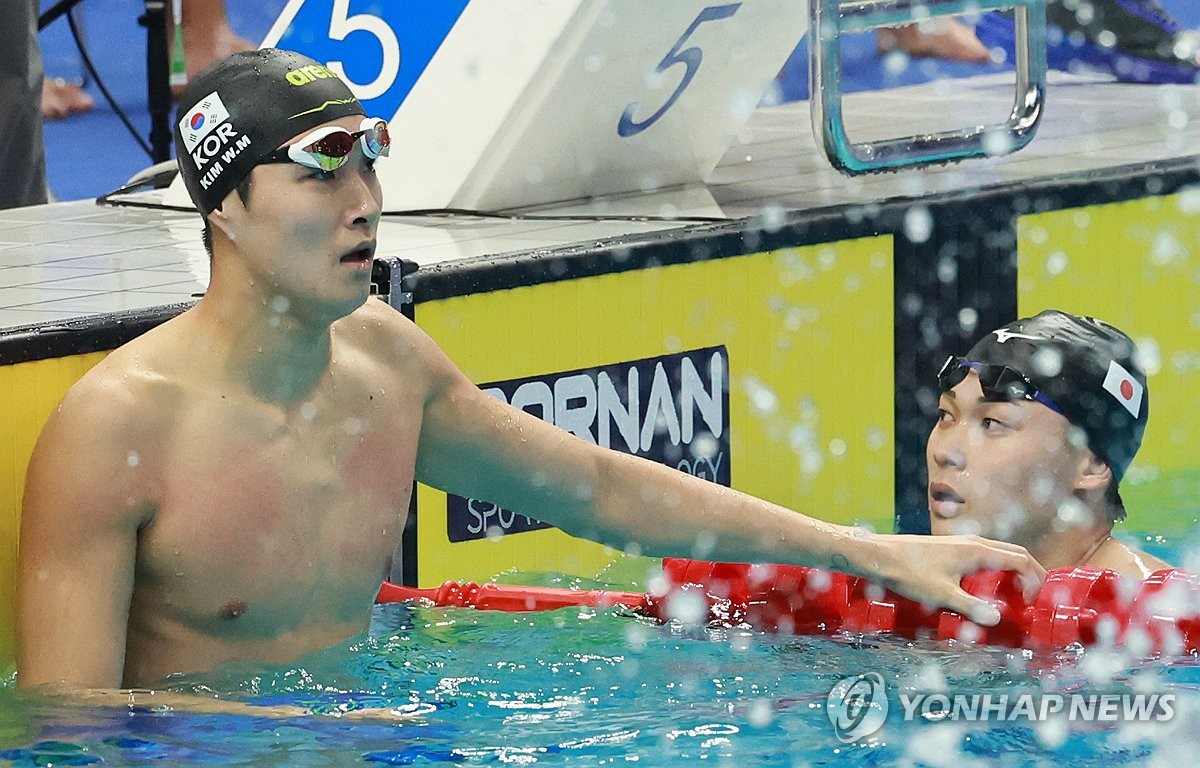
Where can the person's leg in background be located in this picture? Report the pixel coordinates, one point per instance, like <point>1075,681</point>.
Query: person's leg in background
<point>62,98</point>
<point>1136,41</point>
<point>22,155</point>
<point>940,38</point>
<point>207,35</point>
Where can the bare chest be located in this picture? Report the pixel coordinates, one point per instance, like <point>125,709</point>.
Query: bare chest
<point>272,522</point>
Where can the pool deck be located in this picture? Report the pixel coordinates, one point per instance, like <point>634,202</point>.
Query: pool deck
<point>74,260</point>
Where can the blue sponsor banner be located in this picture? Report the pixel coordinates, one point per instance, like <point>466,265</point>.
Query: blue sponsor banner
<point>673,409</point>
<point>380,46</point>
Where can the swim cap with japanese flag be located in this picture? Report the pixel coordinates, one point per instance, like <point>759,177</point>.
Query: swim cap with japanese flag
<point>1123,386</point>
<point>1088,368</point>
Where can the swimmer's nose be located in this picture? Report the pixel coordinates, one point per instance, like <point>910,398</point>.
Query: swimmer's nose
<point>945,451</point>
<point>951,459</point>
<point>366,204</point>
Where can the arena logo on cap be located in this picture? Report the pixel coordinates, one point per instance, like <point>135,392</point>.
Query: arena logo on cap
<point>309,73</point>
<point>1121,385</point>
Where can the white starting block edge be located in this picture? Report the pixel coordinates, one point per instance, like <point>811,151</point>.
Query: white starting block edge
<point>521,102</point>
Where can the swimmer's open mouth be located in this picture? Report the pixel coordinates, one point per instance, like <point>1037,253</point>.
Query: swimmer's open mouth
<point>942,492</point>
<point>944,501</point>
<point>361,255</point>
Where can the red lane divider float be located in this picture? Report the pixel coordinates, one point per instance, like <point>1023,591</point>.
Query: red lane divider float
<point>505,597</point>
<point>1160,615</point>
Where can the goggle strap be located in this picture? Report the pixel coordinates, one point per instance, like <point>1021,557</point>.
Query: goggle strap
<point>999,383</point>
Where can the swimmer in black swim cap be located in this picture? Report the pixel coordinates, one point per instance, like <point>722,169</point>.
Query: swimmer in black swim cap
<point>1037,425</point>
<point>239,112</point>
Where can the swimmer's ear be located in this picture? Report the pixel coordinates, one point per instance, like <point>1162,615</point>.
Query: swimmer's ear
<point>1094,473</point>
<point>219,219</point>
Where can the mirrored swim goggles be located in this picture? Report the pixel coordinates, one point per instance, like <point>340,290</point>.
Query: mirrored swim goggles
<point>328,148</point>
<point>999,383</point>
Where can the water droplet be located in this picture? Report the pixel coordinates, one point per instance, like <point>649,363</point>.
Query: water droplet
<point>997,142</point>
<point>773,217</point>
<point>968,319</point>
<point>1047,361</point>
<point>688,607</point>
<point>918,224</point>
<point>1051,732</point>
<point>1167,249</point>
<point>704,545</point>
<point>760,713</point>
<point>1148,355</point>
<point>895,62</point>
<point>636,636</point>
<point>704,446</point>
<point>762,398</point>
<point>1056,263</point>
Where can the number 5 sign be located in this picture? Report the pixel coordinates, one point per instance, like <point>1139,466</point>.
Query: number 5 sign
<point>380,47</point>
<point>507,103</point>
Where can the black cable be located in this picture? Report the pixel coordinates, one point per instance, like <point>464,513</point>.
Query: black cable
<point>435,212</point>
<point>107,199</point>
<point>56,10</point>
<point>159,180</point>
<point>104,200</point>
<point>87,63</point>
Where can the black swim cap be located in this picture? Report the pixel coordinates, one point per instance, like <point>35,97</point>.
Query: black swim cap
<point>239,110</point>
<point>1088,368</point>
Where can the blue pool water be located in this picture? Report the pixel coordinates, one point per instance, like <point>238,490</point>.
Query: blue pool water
<point>600,688</point>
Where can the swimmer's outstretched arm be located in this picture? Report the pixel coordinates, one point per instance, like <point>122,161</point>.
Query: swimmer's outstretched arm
<point>479,447</point>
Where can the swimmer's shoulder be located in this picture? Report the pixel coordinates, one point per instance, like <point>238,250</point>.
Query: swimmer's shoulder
<point>1126,560</point>
<point>122,398</point>
<point>97,451</point>
<point>373,321</point>
<point>390,338</point>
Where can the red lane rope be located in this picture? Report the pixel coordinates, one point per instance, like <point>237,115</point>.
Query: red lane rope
<point>504,597</point>
<point>1160,615</point>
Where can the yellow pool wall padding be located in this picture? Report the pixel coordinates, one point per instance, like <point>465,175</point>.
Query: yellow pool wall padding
<point>809,333</point>
<point>1135,264</point>
<point>31,391</point>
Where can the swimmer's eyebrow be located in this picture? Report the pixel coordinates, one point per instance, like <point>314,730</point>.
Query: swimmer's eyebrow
<point>981,400</point>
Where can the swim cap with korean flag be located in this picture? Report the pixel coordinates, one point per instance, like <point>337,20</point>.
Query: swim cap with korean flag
<point>1089,369</point>
<point>241,109</point>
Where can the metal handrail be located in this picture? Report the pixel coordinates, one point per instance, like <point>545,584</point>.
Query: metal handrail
<point>831,19</point>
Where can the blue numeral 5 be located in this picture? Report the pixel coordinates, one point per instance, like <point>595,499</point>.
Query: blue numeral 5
<point>689,57</point>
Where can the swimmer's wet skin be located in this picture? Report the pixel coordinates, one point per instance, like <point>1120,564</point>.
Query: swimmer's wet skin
<point>231,485</point>
<point>1037,426</point>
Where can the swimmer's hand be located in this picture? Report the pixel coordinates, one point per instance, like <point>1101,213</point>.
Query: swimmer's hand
<point>930,568</point>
